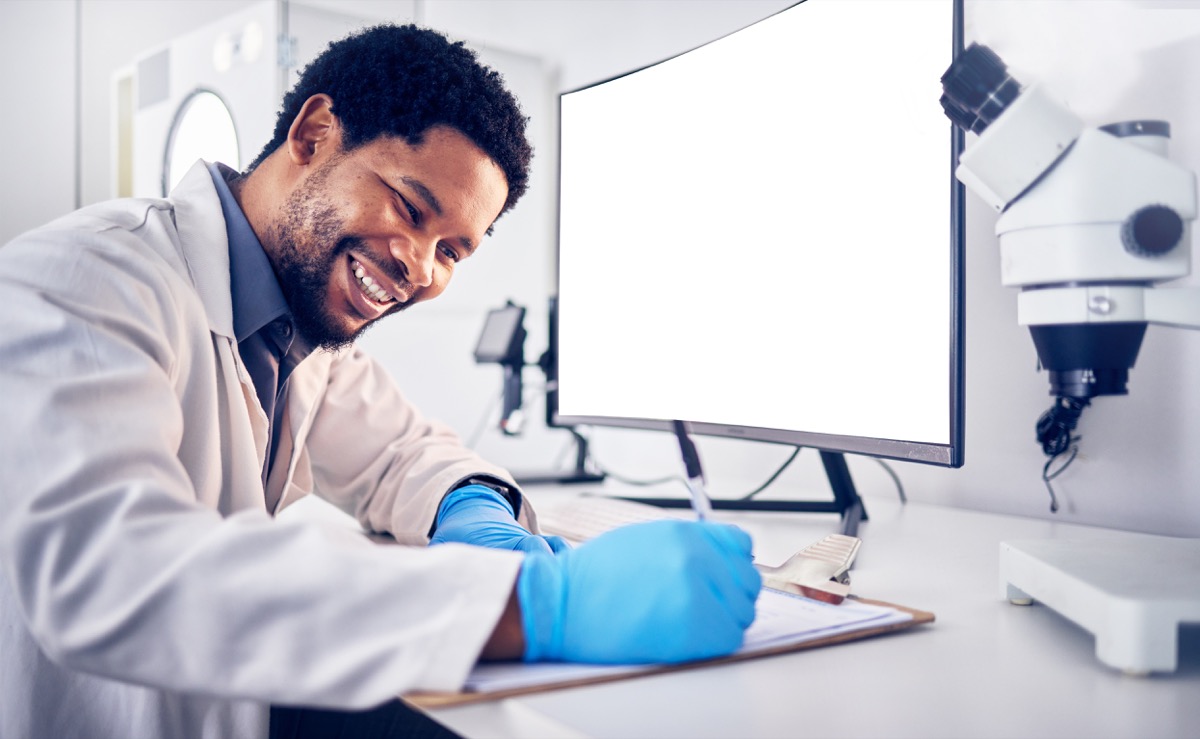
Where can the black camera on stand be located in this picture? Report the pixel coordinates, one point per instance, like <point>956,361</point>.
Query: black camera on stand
<point>502,342</point>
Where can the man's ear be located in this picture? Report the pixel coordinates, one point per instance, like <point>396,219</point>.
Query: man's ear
<point>312,129</point>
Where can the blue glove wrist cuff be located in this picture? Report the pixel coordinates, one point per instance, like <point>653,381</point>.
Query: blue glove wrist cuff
<point>484,496</point>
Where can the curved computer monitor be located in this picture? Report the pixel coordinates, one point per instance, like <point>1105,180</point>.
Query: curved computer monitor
<point>762,237</point>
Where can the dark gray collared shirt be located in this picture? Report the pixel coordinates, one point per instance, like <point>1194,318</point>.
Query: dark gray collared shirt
<point>262,320</point>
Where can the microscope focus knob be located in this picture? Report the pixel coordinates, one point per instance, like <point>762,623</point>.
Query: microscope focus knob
<point>1152,231</point>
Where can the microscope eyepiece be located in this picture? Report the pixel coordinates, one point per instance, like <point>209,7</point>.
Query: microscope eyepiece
<point>977,88</point>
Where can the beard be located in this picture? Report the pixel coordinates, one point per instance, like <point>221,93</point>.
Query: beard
<point>310,241</point>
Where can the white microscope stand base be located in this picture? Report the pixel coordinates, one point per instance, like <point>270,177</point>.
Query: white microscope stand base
<point>1132,592</point>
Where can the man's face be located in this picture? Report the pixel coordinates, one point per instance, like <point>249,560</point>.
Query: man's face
<point>374,230</point>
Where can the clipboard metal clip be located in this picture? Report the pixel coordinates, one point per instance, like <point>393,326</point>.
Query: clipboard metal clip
<point>820,571</point>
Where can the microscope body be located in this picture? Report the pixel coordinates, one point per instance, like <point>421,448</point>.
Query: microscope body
<point>1091,220</point>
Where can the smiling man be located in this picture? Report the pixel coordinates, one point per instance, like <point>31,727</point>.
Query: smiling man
<point>174,372</point>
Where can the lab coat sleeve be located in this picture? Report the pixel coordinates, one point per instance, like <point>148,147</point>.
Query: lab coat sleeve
<point>117,567</point>
<point>396,467</point>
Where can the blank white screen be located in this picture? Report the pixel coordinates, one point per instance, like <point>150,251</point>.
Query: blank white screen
<point>757,232</point>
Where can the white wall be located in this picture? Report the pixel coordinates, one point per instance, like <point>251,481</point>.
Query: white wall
<point>1139,466</point>
<point>40,124</point>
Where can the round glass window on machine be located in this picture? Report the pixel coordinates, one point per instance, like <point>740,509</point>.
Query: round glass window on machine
<point>202,129</point>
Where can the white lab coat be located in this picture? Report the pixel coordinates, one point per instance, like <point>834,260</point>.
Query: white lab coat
<point>145,590</point>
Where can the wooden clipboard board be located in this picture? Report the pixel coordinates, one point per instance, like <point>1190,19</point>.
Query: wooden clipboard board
<point>442,700</point>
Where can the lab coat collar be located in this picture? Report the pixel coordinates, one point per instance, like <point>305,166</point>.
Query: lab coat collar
<point>205,244</point>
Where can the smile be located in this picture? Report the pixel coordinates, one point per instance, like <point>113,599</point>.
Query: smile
<point>368,285</point>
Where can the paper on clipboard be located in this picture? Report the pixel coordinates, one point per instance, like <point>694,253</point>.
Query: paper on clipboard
<point>784,621</point>
<point>781,619</point>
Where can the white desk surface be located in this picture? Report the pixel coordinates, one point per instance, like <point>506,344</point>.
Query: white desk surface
<point>984,668</point>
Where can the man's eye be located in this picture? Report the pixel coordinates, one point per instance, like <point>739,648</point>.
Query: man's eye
<point>449,252</point>
<point>413,213</point>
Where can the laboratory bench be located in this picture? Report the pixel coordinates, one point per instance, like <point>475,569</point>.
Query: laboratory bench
<point>983,668</point>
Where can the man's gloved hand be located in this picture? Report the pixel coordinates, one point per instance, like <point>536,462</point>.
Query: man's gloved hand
<point>478,515</point>
<point>664,591</point>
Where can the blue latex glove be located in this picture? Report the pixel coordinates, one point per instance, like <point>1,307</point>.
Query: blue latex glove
<point>478,515</point>
<point>664,591</point>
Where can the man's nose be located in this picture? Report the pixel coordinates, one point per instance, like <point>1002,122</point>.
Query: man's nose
<point>417,256</point>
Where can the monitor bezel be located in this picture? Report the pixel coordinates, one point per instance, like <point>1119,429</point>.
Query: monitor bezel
<point>950,454</point>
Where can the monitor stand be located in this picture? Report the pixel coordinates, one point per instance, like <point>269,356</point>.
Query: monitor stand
<point>845,503</point>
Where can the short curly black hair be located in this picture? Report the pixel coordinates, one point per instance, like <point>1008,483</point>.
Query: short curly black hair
<point>403,80</point>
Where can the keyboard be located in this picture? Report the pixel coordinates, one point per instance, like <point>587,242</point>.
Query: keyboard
<point>589,516</point>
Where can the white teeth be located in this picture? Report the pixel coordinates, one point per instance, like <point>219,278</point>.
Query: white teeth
<point>373,291</point>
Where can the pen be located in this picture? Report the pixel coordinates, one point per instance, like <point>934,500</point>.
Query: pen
<point>695,475</point>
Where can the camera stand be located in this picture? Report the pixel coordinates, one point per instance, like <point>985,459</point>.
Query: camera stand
<point>581,473</point>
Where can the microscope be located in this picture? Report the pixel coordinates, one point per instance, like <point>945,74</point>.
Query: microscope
<point>1092,220</point>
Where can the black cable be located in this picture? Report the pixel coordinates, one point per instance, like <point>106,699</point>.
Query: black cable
<point>773,477</point>
<point>631,481</point>
<point>895,478</point>
<point>674,478</point>
<point>886,468</point>
<point>639,483</point>
<point>1047,476</point>
<point>1054,430</point>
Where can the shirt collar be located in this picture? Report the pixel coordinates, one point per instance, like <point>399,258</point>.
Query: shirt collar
<point>257,297</point>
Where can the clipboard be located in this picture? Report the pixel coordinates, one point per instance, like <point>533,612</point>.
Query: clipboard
<point>429,700</point>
